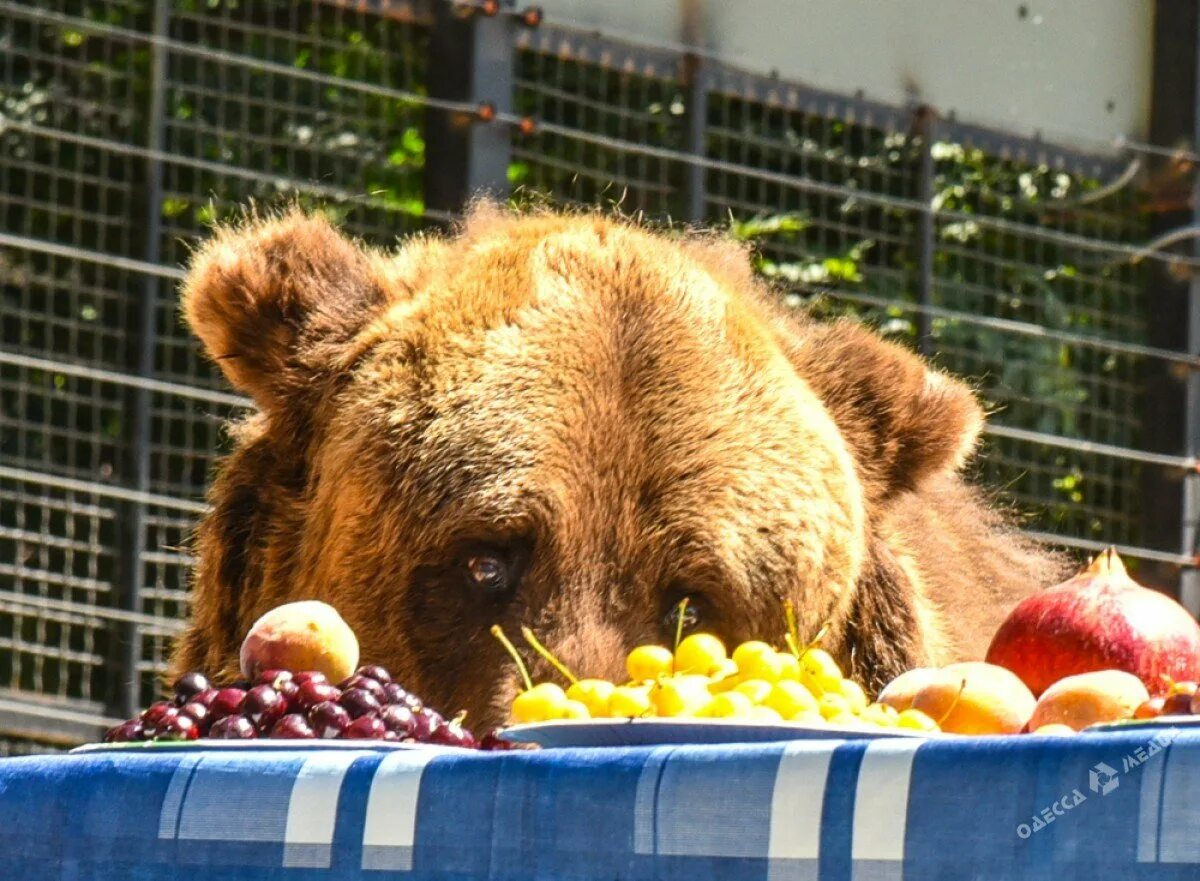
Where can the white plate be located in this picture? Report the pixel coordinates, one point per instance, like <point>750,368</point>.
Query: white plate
<point>652,732</point>
<point>265,743</point>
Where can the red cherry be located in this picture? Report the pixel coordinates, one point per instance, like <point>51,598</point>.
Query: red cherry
<point>126,732</point>
<point>328,719</point>
<point>264,706</point>
<point>177,727</point>
<point>364,728</point>
<point>228,702</point>
<point>292,726</point>
<point>313,692</point>
<point>233,728</point>
<point>156,712</point>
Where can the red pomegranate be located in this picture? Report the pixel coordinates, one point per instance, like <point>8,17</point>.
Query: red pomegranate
<point>1099,620</point>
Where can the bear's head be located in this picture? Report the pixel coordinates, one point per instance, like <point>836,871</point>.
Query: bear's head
<point>565,422</point>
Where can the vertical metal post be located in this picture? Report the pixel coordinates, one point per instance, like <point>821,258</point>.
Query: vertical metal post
<point>1169,404</point>
<point>471,57</point>
<point>692,76</point>
<point>925,127</point>
<point>1189,582</point>
<point>141,402</point>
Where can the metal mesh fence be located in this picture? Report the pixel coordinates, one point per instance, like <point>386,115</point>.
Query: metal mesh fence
<point>129,126</point>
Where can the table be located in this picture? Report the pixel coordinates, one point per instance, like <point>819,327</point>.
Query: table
<point>1122,805</point>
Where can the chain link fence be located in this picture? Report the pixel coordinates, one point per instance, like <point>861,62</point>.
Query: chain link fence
<point>128,127</point>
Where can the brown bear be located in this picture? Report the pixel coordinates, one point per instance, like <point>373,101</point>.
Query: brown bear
<point>571,422</point>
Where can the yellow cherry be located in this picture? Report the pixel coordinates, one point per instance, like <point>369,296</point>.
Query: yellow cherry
<point>593,694</point>
<point>789,699</point>
<point>679,696</point>
<point>852,692</point>
<point>820,672</point>
<point>539,704</point>
<point>875,714</point>
<point>757,660</point>
<point>700,653</point>
<point>831,704</point>
<point>630,702</point>
<point>763,714</point>
<point>575,710</point>
<point>755,689</point>
<point>846,719</point>
<point>916,720</point>
<point>647,662</point>
<point>789,666</point>
<point>728,705</point>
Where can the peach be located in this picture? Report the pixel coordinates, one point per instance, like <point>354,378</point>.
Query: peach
<point>308,635</point>
<point>974,697</point>
<point>1087,698</point>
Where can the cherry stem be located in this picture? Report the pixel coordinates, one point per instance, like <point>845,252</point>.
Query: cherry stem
<point>545,653</point>
<point>512,650</point>
<point>792,638</point>
<point>683,604</point>
<point>815,642</point>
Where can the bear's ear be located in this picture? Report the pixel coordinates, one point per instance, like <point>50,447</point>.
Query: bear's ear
<point>904,421</point>
<point>275,302</point>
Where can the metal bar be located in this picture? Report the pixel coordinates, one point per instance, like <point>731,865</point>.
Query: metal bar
<point>1186,464</point>
<point>129,641</point>
<point>16,602</point>
<point>233,58</point>
<point>694,80</point>
<point>925,124</point>
<point>471,59</point>
<point>90,487</point>
<point>1007,325</point>
<point>219,168</point>
<point>179,390</point>
<point>1070,240</point>
<point>586,33</point>
<point>51,722</point>
<point>72,253</point>
<point>1086,544</point>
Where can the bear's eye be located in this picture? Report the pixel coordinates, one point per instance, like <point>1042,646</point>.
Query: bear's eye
<point>493,571</point>
<point>488,573</point>
<point>690,611</point>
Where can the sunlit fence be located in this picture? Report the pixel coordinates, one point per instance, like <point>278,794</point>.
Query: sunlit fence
<point>127,127</point>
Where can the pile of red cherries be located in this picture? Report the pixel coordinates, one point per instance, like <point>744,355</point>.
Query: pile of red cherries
<point>282,704</point>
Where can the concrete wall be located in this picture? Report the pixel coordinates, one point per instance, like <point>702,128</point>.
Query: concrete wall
<point>1076,71</point>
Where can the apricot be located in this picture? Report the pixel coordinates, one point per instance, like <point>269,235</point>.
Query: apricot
<point>1088,698</point>
<point>899,693</point>
<point>974,697</point>
<point>307,635</point>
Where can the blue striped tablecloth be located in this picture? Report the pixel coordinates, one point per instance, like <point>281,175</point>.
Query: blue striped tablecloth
<point>1113,806</point>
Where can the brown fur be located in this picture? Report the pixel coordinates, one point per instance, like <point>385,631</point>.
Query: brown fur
<point>627,413</point>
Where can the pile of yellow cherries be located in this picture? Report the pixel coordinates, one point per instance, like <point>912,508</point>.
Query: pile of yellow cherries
<point>700,679</point>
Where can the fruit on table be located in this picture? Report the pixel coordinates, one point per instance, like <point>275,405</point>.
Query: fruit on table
<point>308,635</point>
<point>1088,698</point>
<point>1178,701</point>
<point>301,705</point>
<point>972,697</point>
<point>700,679</point>
<point>1099,620</point>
